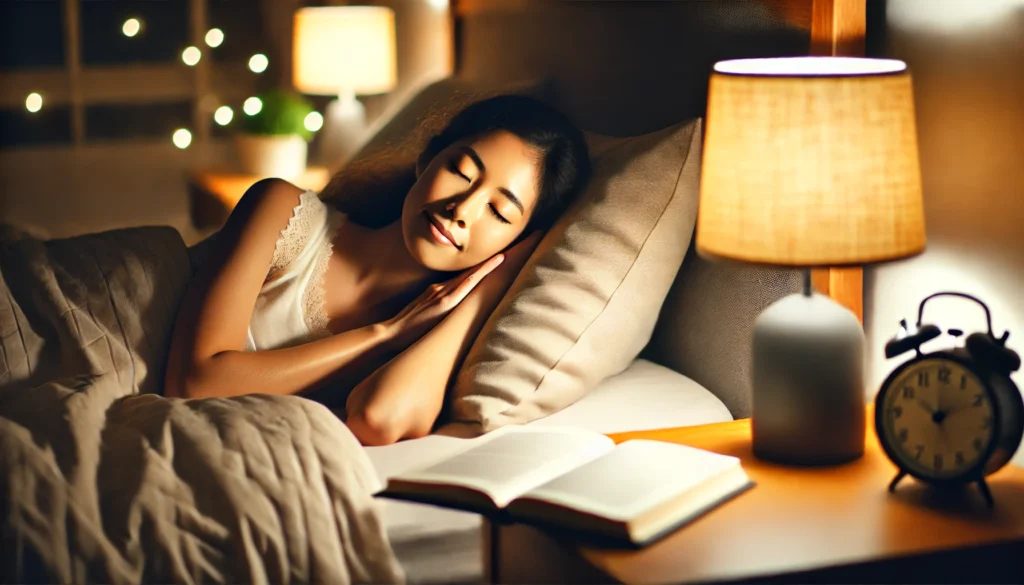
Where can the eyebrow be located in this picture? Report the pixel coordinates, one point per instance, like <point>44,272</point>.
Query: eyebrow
<point>480,165</point>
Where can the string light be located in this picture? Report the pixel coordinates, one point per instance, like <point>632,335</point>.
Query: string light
<point>313,121</point>
<point>214,37</point>
<point>223,115</point>
<point>34,102</point>
<point>191,56</point>
<point>258,63</point>
<point>182,138</point>
<point>252,106</point>
<point>131,27</point>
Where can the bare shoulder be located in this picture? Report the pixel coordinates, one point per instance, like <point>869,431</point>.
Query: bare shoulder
<point>269,197</point>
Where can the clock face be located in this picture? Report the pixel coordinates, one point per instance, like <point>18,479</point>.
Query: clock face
<point>937,418</point>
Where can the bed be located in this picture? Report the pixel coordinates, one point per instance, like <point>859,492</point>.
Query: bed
<point>623,69</point>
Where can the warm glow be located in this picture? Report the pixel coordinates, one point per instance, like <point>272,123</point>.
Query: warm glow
<point>344,49</point>
<point>810,169</point>
<point>313,121</point>
<point>191,56</point>
<point>258,63</point>
<point>810,66</point>
<point>223,115</point>
<point>182,138</point>
<point>252,106</point>
<point>214,37</point>
<point>438,4</point>
<point>34,102</point>
<point>131,27</point>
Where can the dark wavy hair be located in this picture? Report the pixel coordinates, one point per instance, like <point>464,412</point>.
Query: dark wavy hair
<point>371,191</point>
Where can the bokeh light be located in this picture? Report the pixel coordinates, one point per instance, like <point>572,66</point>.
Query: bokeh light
<point>214,37</point>
<point>252,106</point>
<point>223,115</point>
<point>182,138</point>
<point>191,56</point>
<point>313,121</point>
<point>131,27</point>
<point>34,102</point>
<point>258,63</point>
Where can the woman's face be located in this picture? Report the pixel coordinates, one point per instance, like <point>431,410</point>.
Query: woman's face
<point>471,201</point>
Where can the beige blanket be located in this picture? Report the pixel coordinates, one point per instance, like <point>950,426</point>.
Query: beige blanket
<point>103,480</point>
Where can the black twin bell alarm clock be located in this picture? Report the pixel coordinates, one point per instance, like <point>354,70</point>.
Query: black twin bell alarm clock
<point>951,416</point>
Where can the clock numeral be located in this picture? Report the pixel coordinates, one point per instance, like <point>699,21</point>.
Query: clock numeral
<point>959,458</point>
<point>903,435</point>
<point>937,462</point>
<point>963,381</point>
<point>908,392</point>
<point>922,379</point>
<point>897,411</point>
<point>986,423</point>
<point>919,451</point>
<point>944,374</point>
<point>978,446</point>
<point>977,399</point>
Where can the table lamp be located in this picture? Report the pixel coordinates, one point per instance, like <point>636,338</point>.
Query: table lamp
<point>809,162</point>
<point>343,51</point>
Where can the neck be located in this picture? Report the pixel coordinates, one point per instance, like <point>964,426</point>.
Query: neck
<point>383,267</point>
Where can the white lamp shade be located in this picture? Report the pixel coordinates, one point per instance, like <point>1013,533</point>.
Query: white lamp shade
<point>344,49</point>
<point>810,161</point>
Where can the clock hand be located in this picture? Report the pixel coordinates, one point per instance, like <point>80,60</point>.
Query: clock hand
<point>925,406</point>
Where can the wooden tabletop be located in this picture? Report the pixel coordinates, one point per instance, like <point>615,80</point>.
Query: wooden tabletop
<point>804,519</point>
<point>214,193</point>
<point>228,186</point>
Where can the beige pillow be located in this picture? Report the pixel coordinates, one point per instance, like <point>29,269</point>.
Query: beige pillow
<point>586,302</point>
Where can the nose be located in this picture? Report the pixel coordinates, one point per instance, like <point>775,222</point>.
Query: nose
<point>467,208</point>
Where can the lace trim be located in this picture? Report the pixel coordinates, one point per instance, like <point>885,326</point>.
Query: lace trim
<point>313,302</point>
<point>301,226</point>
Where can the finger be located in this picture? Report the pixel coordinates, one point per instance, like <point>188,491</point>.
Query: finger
<point>474,278</point>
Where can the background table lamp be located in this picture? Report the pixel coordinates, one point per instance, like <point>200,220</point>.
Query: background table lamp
<point>810,162</point>
<point>343,51</point>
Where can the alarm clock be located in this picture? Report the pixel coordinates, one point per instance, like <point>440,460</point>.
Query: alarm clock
<point>952,416</point>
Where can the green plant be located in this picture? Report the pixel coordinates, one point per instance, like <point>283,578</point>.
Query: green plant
<point>283,113</point>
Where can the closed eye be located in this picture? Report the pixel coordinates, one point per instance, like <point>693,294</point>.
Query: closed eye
<point>494,211</point>
<point>454,168</point>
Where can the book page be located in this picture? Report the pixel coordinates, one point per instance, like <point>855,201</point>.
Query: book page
<point>515,461</point>
<point>635,477</point>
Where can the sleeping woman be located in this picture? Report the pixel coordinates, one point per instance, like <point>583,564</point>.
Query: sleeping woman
<point>375,301</point>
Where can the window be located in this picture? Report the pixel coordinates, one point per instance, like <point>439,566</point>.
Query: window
<point>33,35</point>
<point>100,84</point>
<point>161,37</point>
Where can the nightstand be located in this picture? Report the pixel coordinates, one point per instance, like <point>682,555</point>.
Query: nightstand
<point>213,194</point>
<point>799,524</point>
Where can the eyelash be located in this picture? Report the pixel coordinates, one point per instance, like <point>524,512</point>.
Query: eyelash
<point>454,168</point>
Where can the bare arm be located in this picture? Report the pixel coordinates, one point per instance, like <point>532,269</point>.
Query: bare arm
<point>402,399</point>
<point>206,356</point>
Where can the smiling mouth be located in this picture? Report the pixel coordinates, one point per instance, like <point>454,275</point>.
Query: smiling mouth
<point>441,231</point>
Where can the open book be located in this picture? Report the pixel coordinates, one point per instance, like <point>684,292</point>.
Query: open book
<point>576,481</point>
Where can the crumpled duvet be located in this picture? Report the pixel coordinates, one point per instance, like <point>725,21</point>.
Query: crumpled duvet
<point>104,480</point>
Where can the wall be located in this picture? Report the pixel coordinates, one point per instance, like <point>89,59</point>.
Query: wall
<point>965,57</point>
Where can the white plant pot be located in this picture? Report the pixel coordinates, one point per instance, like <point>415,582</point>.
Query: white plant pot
<point>271,156</point>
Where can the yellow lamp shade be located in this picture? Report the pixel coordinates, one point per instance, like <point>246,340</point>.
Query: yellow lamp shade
<point>810,161</point>
<point>344,49</point>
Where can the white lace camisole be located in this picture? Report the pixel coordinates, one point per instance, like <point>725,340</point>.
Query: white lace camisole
<point>289,310</point>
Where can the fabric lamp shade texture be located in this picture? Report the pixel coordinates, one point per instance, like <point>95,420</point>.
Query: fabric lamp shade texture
<point>810,161</point>
<point>344,49</point>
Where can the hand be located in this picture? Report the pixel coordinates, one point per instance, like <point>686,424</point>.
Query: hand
<point>436,302</point>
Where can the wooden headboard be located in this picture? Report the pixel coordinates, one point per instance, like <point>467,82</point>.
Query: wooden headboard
<point>626,68</point>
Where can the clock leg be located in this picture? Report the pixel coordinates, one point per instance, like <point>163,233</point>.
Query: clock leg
<point>983,488</point>
<point>896,480</point>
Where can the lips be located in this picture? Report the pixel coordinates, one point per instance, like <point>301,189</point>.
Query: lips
<point>442,230</point>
